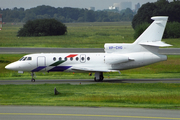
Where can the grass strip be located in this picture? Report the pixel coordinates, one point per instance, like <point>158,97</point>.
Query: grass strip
<point>80,35</point>
<point>139,95</point>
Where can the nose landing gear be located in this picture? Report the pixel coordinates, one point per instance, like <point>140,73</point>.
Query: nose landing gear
<point>33,79</point>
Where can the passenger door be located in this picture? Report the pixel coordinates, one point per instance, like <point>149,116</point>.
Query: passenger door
<point>41,61</point>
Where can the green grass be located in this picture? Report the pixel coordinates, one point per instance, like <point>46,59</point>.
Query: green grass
<point>80,35</point>
<point>165,69</point>
<point>149,95</point>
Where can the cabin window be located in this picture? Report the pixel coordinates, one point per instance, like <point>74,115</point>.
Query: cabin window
<point>21,58</point>
<point>88,58</point>
<point>60,58</point>
<point>77,58</point>
<point>82,58</point>
<point>71,58</point>
<point>29,58</point>
<point>54,58</point>
<point>65,58</point>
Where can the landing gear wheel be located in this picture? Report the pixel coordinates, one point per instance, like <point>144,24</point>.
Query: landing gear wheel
<point>98,77</point>
<point>101,78</point>
<point>33,80</point>
<point>32,74</point>
<point>95,79</point>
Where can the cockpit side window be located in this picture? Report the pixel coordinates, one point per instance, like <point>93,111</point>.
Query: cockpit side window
<point>29,58</point>
<point>21,58</point>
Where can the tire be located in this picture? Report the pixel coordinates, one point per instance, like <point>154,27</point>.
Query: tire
<point>33,80</point>
<point>95,79</point>
<point>101,78</point>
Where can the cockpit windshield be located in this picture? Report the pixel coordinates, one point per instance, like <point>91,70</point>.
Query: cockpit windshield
<point>21,58</point>
<point>25,59</point>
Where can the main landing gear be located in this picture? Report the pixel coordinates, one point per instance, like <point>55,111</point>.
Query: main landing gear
<point>99,76</point>
<point>32,74</point>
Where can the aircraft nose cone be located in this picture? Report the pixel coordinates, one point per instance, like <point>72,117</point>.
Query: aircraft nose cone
<point>11,66</point>
<point>7,66</point>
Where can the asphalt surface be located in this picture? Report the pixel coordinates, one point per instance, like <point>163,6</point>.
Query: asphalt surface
<point>6,50</point>
<point>84,113</point>
<point>89,81</point>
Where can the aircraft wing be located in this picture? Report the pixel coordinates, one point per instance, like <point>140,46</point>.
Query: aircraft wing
<point>91,69</point>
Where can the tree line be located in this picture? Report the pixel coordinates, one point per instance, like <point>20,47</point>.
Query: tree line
<point>65,14</point>
<point>160,8</point>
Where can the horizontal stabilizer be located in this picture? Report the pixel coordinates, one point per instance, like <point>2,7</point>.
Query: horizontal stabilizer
<point>91,69</point>
<point>156,44</point>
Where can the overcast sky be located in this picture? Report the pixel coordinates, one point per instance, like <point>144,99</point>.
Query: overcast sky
<point>98,4</point>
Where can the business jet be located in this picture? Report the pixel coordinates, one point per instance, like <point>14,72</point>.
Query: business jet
<point>143,51</point>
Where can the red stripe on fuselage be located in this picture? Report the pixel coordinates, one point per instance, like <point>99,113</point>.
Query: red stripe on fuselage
<point>72,55</point>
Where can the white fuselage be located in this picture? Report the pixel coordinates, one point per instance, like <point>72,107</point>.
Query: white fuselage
<point>78,62</point>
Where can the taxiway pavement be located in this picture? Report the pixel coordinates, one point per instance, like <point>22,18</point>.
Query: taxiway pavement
<point>11,50</point>
<point>90,81</point>
<point>84,113</point>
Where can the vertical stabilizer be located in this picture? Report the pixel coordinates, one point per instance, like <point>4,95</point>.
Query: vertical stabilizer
<point>148,41</point>
<point>153,34</point>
